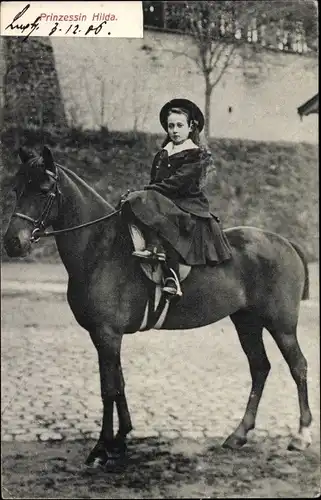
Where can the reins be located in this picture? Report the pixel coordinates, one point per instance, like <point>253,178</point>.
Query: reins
<point>39,224</point>
<point>85,224</point>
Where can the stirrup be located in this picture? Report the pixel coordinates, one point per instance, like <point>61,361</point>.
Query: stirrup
<point>150,255</point>
<point>173,290</point>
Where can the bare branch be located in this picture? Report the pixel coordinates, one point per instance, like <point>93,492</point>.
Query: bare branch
<point>214,47</point>
<point>225,66</point>
<point>221,48</point>
<point>202,53</point>
<point>196,24</point>
<point>181,53</point>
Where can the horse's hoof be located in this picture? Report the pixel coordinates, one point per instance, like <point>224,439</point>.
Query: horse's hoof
<point>115,464</point>
<point>108,459</point>
<point>110,464</point>
<point>95,463</point>
<point>234,442</point>
<point>298,444</point>
<point>97,457</point>
<point>301,441</point>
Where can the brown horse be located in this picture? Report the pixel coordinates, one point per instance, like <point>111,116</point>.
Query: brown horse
<point>260,287</point>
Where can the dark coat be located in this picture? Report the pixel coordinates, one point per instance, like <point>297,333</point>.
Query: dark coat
<point>174,206</point>
<point>178,177</point>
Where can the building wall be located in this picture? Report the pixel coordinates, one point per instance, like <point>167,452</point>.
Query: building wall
<point>122,83</point>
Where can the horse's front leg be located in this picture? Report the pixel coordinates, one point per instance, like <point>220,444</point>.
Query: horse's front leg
<point>125,424</point>
<point>108,345</point>
<point>118,448</point>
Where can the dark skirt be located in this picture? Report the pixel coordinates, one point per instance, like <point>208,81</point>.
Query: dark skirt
<point>199,241</point>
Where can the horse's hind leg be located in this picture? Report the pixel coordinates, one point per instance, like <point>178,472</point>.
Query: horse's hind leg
<point>250,330</point>
<point>288,344</point>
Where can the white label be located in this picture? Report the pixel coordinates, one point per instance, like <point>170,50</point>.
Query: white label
<point>72,19</point>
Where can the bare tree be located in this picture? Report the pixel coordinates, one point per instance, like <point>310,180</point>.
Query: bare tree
<point>219,27</point>
<point>215,28</point>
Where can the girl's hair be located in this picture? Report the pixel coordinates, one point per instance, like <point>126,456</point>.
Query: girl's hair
<point>194,135</point>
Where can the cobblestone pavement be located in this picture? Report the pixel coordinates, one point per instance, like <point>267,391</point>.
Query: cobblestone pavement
<point>190,383</point>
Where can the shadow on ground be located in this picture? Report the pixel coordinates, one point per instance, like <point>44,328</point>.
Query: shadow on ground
<point>156,468</point>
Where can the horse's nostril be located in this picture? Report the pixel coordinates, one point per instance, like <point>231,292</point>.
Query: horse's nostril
<point>16,243</point>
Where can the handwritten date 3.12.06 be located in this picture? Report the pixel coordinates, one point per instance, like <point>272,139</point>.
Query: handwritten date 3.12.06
<point>75,29</point>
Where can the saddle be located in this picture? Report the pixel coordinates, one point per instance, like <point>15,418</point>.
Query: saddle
<point>153,271</point>
<point>157,306</point>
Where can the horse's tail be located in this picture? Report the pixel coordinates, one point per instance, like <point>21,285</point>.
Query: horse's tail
<point>299,251</point>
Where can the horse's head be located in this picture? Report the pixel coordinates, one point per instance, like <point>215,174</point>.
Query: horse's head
<point>36,190</point>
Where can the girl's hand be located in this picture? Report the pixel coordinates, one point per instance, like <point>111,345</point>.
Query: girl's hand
<point>122,199</point>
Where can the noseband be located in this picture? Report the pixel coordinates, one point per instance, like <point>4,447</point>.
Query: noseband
<point>40,223</point>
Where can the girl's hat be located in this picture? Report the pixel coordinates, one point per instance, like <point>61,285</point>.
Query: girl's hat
<point>194,112</point>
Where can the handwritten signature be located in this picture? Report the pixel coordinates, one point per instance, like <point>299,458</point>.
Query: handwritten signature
<point>74,29</point>
<point>23,27</point>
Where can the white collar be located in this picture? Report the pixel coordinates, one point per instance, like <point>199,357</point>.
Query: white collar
<point>172,149</point>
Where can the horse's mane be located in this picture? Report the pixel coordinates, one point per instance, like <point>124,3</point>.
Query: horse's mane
<point>83,183</point>
<point>122,232</point>
<point>37,161</point>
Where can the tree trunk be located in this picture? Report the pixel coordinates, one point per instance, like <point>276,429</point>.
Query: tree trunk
<point>208,93</point>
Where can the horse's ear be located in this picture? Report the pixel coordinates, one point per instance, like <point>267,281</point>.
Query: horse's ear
<point>24,155</point>
<point>48,158</point>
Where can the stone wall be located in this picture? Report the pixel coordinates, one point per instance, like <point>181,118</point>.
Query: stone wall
<point>31,86</point>
<point>122,83</point>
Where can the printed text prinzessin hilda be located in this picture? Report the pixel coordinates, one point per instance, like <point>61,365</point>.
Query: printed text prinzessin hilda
<point>100,16</point>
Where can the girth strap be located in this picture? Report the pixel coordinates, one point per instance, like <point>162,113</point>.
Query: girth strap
<point>156,310</point>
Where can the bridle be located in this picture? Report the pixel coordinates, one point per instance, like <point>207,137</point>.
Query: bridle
<point>39,225</point>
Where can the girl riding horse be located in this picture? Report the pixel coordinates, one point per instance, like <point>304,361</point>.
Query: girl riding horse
<point>173,210</point>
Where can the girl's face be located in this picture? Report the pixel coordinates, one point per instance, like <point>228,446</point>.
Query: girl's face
<point>178,127</point>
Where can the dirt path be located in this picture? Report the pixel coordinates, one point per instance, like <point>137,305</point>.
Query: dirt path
<point>162,469</point>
